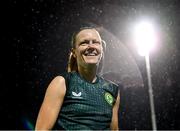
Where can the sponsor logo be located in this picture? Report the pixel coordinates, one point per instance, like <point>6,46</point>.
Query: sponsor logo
<point>76,94</point>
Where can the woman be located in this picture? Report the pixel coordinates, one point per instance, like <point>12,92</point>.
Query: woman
<point>80,99</point>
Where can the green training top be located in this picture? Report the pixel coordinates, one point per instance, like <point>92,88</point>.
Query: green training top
<point>86,106</point>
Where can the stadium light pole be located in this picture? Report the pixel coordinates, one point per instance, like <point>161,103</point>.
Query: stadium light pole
<point>145,40</point>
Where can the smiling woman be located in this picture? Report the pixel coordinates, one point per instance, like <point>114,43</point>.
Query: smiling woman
<point>80,42</point>
<point>80,99</point>
<point>87,50</point>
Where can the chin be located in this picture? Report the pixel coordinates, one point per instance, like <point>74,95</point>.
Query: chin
<point>92,62</point>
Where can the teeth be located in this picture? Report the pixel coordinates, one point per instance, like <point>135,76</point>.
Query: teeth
<point>91,54</point>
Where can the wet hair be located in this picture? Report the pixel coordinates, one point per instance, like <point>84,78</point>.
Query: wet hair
<point>72,63</point>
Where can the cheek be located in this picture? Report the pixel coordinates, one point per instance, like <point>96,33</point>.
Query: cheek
<point>100,50</point>
<point>78,52</point>
<point>81,49</point>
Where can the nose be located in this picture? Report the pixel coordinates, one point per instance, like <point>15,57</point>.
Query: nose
<point>91,44</point>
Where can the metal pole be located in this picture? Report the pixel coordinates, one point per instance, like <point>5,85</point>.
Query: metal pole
<point>153,115</point>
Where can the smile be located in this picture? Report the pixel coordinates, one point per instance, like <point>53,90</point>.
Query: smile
<point>90,53</point>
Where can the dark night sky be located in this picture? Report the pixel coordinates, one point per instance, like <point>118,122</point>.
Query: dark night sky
<point>36,42</point>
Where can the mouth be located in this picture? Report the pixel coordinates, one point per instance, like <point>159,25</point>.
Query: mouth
<point>93,53</point>
<point>91,56</point>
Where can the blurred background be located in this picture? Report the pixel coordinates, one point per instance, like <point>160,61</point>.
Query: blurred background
<point>35,45</point>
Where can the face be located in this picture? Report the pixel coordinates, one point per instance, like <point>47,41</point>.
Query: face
<point>88,47</point>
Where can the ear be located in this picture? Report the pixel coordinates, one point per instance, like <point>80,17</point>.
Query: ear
<point>73,52</point>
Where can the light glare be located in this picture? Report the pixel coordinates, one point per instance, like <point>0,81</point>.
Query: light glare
<point>145,37</point>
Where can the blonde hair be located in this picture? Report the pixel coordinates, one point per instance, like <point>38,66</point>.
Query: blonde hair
<point>72,63</point>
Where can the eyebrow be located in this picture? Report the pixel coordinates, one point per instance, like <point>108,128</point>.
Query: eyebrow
<point>94,40</point>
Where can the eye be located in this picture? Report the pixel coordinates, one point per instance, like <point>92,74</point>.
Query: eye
<point>96,42</point>
<point>83,43</point>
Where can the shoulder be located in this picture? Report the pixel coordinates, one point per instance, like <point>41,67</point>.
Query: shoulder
<point>109,82</point>
<point>58,80</point>
<point>64,78</point>
<point>66,75</point>
<point>111,86</point>
<point>57,86</point>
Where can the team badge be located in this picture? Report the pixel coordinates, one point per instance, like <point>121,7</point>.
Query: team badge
<point>109,98</point>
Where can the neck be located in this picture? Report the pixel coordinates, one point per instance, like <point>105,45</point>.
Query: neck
<point>88,73</point>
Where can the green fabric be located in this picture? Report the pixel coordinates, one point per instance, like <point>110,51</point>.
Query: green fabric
<point>87,106</point>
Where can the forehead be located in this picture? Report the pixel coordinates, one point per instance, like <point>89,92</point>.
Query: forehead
<point>87,34</point>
